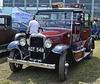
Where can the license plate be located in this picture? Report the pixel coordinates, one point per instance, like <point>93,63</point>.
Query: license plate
<point>36,49</point>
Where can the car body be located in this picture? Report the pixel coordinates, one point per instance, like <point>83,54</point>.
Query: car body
<point>20,26</point>
<point>6,32</point>
<point>63,40</point>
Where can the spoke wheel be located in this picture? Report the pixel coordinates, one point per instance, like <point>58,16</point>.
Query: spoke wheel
<point>62,68</point>
<point>15,67</point>
<point>91,51</point>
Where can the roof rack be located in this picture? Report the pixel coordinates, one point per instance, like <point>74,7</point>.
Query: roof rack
<point>57,5</point>
<point>78,5</point>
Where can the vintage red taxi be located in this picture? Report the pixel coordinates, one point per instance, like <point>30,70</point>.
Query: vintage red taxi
<point>64,37</point>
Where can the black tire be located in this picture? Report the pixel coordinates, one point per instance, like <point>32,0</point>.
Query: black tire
<point>91,51</point>
<point>62,69</point>
<point>14,54</point>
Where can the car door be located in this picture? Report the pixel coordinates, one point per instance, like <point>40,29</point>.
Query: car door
<point>10,32</point>
<point>86,31</point>
<point>2,31</point>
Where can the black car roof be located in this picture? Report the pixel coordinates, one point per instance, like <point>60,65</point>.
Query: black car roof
<point>64,10</point>
<point>4,15</point>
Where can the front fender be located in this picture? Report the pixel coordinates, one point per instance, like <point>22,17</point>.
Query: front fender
<point>13,45</point>
<point>18,35</point>
<point>60,48</point>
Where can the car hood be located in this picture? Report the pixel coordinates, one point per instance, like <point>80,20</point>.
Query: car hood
<point>47,33</point>
<point>56,35</point>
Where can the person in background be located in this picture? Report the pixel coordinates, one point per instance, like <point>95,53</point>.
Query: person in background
<point>94,25</point>
<point>33,26</point>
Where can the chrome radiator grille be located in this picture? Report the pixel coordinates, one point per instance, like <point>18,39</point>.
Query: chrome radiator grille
<point>37,46</point>
<point>36,42</point>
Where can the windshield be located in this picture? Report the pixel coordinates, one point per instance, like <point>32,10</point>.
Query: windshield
<point>54,19</point>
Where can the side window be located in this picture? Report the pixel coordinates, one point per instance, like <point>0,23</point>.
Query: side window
<point>18,25</point>
<point>2,26</point>
<point>87,21</point>
<point>78,18</point>
<point>1,20</point>
<point>5,22</point>
<point>15,25</point>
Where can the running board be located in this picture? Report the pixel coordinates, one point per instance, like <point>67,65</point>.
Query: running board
<point>1,51</point>
<point>86,53</point>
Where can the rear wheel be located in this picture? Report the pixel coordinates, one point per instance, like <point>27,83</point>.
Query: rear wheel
<point>62,67</point>
<point>15,67</point>
<point>91,51</point>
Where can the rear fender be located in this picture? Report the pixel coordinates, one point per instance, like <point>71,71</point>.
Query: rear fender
<point>90,41</point>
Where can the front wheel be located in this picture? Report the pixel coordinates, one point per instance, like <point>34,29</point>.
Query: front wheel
<point>63,69</point>
<point>15,67</point>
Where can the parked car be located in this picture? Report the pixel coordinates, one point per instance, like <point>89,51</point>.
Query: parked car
<point>6,32</point>
<point>20,26</point>
<point>63,40</point>
<point>96,32</point>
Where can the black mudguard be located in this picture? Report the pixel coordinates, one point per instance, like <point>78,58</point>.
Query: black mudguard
<point>60,49</point>
<point>15,45</point>
<point>18,35</point>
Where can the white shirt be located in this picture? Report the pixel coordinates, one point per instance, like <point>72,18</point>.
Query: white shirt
<point>33,26</point>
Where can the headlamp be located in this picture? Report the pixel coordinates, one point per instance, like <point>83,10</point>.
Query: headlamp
<point>22,42</point>
<point>48,43</point>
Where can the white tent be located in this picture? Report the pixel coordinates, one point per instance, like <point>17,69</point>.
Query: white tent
<point>19,15</point>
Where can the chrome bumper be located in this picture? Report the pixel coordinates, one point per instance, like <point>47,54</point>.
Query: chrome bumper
<point>29,63</point>
<point>36,64</point>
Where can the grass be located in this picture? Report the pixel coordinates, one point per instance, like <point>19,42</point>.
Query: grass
<point>84,72</point>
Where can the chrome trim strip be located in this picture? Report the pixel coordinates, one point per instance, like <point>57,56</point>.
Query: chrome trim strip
<point>29,63</point>
<point>86,53</point>
<point>83,49</point>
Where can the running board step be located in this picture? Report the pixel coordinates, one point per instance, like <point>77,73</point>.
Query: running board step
<point>86,53</point>
<point>1,51</point>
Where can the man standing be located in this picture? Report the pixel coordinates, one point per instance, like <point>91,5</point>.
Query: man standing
<point>33,26</point>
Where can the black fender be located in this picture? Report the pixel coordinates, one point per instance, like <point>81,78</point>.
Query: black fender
<point>90,41</point>
<point>15,45</point>
<point>60,48</point>
<point>18,35</point>
<point>57,51</point>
